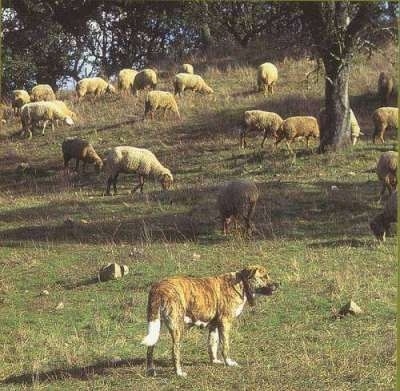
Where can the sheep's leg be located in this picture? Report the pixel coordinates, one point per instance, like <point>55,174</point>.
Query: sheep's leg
<point>307,143</point>
<point>44,126</point>
<point>140,185</point>
<point>289,147</point>
<point>165,113</point>
<point>115,183</point>
<point>66,160</point>
<point>109,181</point>
<point>242,138</point>
<point>263,140</point>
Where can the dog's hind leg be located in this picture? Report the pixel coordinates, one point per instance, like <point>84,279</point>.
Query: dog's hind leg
<point>151,370</point>
<point>224,330</point>
<point>213,341</point>
<point>176,331</point>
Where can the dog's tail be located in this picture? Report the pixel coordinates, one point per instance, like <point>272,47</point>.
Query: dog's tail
<point>154,321</point>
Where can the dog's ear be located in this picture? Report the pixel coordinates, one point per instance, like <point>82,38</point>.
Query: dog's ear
<point>244,276</point>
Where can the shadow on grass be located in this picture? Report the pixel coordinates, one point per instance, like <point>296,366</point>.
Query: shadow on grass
<point>80,373</point>
<point>284,210</point>
<point>354,243</point>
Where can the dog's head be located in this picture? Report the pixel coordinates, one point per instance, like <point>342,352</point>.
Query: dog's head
<point>256,280</point>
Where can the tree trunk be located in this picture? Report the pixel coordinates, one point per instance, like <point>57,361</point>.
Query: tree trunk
<point>336,133</point>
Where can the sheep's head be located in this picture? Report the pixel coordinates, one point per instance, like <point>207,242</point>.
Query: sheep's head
<point>166,181</point>
<point>111,89</point>
<point>98,165</point>
<point>208,90</point>
<point>378,227</point>
<point>69,121</point>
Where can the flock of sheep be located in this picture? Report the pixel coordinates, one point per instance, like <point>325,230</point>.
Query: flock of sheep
<point>237,200</point>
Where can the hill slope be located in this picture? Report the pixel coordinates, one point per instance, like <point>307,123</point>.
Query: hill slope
<point>314,240</point>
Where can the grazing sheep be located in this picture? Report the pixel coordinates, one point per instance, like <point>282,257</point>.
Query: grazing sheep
<point>93,86</point>
<point>141,161</point>
<point>259,120</point>
<point>33,113</point>
<point>144,79</point>
<point>383,118</point>
<point>386,169</point>
<point>294,127</point>
<point>267,75</point>
<point>385,88</point>
<point>355,131</point>
<point>42,92</point>
<point>125,80</point>
<point>187,68</point>
<point>78,149</point>
<point>19,98</point>
<point>381,223</point>
<point>186,81</point>
<point>160,100</point>
<point>237,200</point>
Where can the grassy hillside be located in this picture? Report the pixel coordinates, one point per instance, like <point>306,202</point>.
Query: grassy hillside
<point>314,240</point>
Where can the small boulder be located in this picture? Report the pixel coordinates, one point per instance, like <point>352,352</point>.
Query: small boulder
<point>112,271</point>
<point>349,308</point>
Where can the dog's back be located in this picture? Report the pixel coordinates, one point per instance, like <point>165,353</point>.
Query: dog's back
<point>186,298</point>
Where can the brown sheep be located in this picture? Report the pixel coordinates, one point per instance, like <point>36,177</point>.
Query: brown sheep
<point>294,127</point>
<point>78,149</point>
<point>259,120</point>
<point>381,223</point>
<point>384,118</point>
<point>386,169</point>
<point>237,200</point>
<point>385,88</point>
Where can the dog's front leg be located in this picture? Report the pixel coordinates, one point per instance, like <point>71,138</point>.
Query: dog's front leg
<point>224,330</point>
<point>213,341</point>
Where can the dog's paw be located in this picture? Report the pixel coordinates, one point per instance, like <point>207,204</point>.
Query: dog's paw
<point>181,373</point>
<point>216,361</point>
<point>231,363</point>
<point>151,372</point>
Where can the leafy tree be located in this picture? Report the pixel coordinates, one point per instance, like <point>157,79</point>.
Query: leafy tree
<point>338,30</point>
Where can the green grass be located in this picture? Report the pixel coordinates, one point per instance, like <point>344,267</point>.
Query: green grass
<point>313,240</point>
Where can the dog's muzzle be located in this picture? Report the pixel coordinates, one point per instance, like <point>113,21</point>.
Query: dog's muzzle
<point>268,289</point>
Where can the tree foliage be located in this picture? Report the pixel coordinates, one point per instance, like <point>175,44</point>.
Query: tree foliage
<point>52,40</point>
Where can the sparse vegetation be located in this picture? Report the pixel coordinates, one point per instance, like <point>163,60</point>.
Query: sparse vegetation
<point>313,235</point>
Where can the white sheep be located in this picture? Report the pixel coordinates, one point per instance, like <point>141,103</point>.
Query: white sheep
<point>355,131</point>
<point>19,98</point>
<point>267,75</point>
<point>294,127</point>
<point>160,100</point>
<point>186,81</point>
<point>93,86</point>
<point>135,160</point>
<point>42,92</point>
<point>384,118</point>
<point>187,68</point>
<point>125,80</point>
<point>33,113</point>
<point>143,79</point>
<point>261,121</point>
